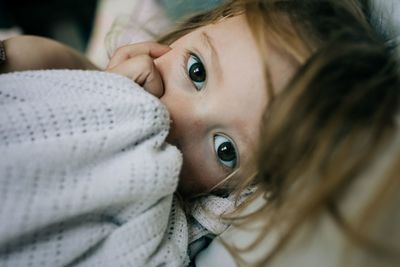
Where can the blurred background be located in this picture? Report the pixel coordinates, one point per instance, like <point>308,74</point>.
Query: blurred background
<point>69,21</point>
<point>84,24</point>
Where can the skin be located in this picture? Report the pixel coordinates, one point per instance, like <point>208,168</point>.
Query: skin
<point>224,108</point>
<point>228,104</point>
<point>34,53</point>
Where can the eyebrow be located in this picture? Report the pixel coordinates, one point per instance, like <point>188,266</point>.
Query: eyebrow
<point>208,43</point>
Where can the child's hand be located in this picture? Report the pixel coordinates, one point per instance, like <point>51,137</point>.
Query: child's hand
<point>137,63</point>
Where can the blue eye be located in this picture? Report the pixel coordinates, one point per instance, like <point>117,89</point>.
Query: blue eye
<point>225,150</point>
<point>196,72</point>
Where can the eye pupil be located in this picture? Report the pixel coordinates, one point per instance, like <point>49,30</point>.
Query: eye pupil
<point>197,72</point>
<point>226,151</point>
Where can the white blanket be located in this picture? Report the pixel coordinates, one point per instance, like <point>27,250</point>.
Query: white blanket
<point>85,176</point>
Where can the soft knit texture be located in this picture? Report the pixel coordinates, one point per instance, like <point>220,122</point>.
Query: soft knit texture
<point>86,178</point>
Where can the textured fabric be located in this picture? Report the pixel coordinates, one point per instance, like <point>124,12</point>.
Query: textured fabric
<point>385,18</point>
<point>85,176</point>
<point>205,213</point>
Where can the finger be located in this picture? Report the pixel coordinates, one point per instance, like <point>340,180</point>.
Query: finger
<point>151,49</point>
<point>143,71</point>
<point>136,68</point>
<point>154,84</point>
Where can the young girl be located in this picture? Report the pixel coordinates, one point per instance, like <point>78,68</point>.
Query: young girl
<point>88,179</point>
<point>282,41</point>
<point>215,124</point>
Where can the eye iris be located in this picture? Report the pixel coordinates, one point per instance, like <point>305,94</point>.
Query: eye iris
<point>226,151</point>
<point>197,72</point>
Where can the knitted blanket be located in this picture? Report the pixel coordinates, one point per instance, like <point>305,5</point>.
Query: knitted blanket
<point>85,176</point>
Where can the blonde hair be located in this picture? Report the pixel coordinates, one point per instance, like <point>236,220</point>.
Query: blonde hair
<point>335,120</point>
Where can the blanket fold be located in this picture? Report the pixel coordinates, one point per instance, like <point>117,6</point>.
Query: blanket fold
<point>86,178</point>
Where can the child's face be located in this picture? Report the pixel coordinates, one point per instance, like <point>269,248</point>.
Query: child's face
<point>216,94</point>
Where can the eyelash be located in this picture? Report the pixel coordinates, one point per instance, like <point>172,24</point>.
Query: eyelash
<point>187,54</point>
<point>237,160</point>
